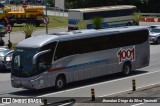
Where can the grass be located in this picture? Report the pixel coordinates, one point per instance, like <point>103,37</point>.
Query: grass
<point>54,21</point>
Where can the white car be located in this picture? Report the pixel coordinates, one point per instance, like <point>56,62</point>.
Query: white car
<point>154,35</point>
<point>5,58</point>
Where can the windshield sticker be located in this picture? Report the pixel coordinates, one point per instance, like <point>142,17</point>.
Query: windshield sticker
<point>124,54</point>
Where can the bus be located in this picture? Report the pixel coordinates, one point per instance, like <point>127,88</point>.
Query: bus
<point>60,58</point>
<point>114,16</point>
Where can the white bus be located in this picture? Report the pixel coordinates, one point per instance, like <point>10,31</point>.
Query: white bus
<point>114,16</point>
<point>60,58</point>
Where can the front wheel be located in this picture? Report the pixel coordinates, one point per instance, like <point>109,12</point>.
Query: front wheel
<point>158,40</point>
<point>60,82</point>
<point>126,69</point>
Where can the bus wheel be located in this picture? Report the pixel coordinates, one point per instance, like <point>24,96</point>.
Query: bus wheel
<point>60,82</point>
<point>158,40</point>
<point>126,69</point>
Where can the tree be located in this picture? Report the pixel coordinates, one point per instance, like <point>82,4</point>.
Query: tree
<point>28,29</point>
<point>97,22</point>
<point>137,17</point>
<point>81,25</point>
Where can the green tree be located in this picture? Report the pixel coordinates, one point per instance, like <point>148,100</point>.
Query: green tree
<point>97,22</point>
<point>81,25</point>
<point>28,29</point>
<point>137,17</point>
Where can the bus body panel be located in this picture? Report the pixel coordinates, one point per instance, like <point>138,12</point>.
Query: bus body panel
<point>80,68</point>
<point>85,65</point>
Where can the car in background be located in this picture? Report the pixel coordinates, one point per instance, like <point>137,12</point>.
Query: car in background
<point>5,58</point>
<point>152,27</point>
<point>2,30</point>
<point>154,35</point>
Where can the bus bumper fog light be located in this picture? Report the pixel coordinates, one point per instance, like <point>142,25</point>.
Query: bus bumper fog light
<point>41,81</point>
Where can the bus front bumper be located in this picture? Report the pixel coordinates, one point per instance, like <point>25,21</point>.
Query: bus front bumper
<point>23,83</point>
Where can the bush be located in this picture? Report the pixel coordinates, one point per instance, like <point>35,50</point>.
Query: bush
<point>81,25</point>
<point>97,22</point>
<point>28,29</point>
<point>137,17</point>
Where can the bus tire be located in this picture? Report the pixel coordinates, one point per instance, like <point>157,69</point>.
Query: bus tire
<point>158,40</point>
<point>60,82</point>
<point>126,69</point>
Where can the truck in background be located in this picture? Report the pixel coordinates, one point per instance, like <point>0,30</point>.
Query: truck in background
<point>30,15</point>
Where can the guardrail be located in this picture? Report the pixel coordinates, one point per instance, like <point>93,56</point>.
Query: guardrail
<point>69,102</point>
<point>150,14</point>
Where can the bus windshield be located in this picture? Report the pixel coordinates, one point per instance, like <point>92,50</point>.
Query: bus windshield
<point>22,62</point>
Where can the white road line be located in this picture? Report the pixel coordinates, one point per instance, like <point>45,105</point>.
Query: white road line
<point>87,86</point>
<point>137,104</point>
<point>129,90</point>
<point>65,104</point>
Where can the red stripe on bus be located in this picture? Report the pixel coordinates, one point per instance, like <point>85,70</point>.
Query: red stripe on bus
<point>56,69</point>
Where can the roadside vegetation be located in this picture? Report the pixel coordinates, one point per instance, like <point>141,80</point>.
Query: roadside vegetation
<point>54,21</point>
<point>137,17</point>
<point>97,22</point>
<point>81,25</point>
<point>28,30</point>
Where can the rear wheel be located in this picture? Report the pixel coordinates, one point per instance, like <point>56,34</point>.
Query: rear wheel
<point>60,82</point>
<point>126,69</point>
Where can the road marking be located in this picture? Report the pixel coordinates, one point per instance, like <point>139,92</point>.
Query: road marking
<point>87,86</point>
<point>65,104</point>
<point>129,89</point>
<point>137,104</point>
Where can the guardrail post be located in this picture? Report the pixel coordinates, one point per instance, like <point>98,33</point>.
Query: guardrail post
<point>134,85</point>
<point>45,102</point>
<point>93,94</point>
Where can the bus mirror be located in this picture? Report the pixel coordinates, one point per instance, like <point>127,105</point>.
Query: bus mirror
<point>38,54</point>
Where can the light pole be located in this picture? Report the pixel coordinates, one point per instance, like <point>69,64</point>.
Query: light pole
<point>46,16</point>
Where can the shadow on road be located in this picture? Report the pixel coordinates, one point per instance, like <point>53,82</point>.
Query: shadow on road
<point>153,43</point>
<point>33,93</point>
<point>5,71</point>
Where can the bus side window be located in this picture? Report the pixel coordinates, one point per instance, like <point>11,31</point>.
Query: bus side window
<point>66,48</point>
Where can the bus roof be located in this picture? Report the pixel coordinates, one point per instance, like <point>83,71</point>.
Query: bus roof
<point>40,40</point>
<point>104,8</point>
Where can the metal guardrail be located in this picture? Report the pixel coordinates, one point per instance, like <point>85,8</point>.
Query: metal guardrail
<point>69,102</point>
<point>150,14</point>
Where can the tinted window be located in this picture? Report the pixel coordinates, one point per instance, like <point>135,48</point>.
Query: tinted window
<point>66,48</point>
<point>44,61</point>
<point>155,30</point>
<point>99,43</point>
<point>107,14</point>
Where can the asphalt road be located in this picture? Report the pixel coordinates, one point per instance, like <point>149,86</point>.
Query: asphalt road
<point>16,37</point>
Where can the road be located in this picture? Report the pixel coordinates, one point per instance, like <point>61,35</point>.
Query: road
<point>17,37</point>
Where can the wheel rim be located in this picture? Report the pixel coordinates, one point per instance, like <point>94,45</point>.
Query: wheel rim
<point>126,70</point>
<point>60,83</point>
